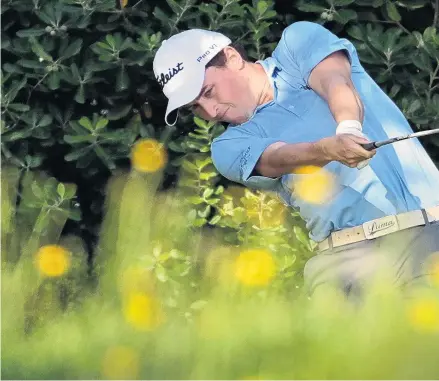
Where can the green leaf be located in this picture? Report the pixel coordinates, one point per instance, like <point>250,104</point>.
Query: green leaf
<point>200,122</point>
<point>31,32</point>
<point>204,213</point>
<point>16,135</point>
<point>392,11</point>
<point>215,220</point>
<point>414,106</point>
<point>74,155</point>
<point>70,191</point>
<point>262,6</point>
<point>412,4</point>
<point>160,273</point>
<point>45,120</point>
<point>176,8</point>
<point>75,139</point>
<point>301,236</point>
<point>53,80</point>
<point>199,222</point>
<point>309,7</point>
<point>122,79</point>
<point>196,200</point>
<point>49,186</point>
<point>19,107</point>
<point>86,123</point>
<point>110,40</point>
<point>342,3</point>
<point>31,64</point>
<point>101,123</point>
<point>343,16</point>
<point>106,159</point>
<point>61,189</point>
<point>73,48</point>
<point>36,190</point>
<point>119,112</point>
<point>80,95</point>
<point>39,50</point>
<point>207,193</point>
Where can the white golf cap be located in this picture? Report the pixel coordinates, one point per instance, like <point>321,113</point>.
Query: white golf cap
<point>180,64</point>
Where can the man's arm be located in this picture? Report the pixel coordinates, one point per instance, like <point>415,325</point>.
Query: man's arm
<point>281,158</point>
<point>331,79</point>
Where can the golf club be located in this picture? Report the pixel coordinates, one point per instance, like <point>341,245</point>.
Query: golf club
<point>373,145</point>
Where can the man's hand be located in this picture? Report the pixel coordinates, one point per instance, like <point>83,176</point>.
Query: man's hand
<point>353,127</point>
<point>345,148</point>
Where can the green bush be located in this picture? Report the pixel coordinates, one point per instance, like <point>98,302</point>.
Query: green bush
<point>78,89</point>
<point>172,304</point>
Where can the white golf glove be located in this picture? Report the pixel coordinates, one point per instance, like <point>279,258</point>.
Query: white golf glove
<point>353,127</point>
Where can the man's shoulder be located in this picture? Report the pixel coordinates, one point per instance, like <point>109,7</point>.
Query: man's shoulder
<point>299,28</point>
<point>237,131</point>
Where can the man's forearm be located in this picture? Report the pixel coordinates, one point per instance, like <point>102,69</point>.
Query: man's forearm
<point>282,158</point>
<point>287,157</point>
<point>343,99</point>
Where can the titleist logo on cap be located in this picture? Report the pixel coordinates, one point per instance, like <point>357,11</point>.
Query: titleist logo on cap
<point>163,78</point>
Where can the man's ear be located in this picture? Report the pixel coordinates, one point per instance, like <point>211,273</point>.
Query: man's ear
<point>234,59</point>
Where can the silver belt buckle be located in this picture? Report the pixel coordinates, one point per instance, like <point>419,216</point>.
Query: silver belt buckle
<point>380,226</point>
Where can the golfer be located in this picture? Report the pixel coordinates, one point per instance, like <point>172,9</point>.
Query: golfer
<point>312,104</point>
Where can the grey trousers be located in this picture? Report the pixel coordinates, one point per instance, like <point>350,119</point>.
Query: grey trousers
<point>403,258</point>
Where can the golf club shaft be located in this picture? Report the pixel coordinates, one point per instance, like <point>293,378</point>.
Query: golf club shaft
<point>373,145</point>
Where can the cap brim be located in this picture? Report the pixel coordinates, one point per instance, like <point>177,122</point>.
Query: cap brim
<point>185,95</point>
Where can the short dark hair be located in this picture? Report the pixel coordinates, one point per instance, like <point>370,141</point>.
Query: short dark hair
<point>220,59</point>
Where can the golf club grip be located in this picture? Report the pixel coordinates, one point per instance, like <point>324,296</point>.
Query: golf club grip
<point>369,146</point>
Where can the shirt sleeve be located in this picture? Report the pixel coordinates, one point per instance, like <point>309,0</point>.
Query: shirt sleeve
<point>235,155</point>
<point>306,44</point>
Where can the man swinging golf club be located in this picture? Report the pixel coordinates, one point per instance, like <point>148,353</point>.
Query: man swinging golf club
<point>312,104</point>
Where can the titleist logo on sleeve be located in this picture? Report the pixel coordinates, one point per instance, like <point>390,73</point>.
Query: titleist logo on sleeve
<point>163,78</point>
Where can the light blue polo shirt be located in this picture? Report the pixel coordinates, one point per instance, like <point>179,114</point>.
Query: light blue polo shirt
<point>401,177</point>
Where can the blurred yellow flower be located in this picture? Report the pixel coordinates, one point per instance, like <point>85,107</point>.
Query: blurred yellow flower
<point>120,363</point>
<point>53,260</point>
<point>424,314</point>
<point>123,3</point>
<point>315,185</point>
<point>143,311</point>
<point>148,155</point>
<point>254,267</point>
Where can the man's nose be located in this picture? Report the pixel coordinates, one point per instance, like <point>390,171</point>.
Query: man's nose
<point>210,109</point>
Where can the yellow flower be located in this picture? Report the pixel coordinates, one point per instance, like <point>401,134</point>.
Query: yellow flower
<point>120,363</point>
<point>315,185</point>
<point>424,314</point>
<point>143,311</point>
<point>148,155</point>
<point>53,260</point>
<point>255,267</point>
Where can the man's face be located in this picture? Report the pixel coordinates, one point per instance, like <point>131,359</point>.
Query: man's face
<point>225,96</point>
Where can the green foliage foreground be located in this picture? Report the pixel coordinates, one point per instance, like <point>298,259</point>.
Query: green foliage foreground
<point>168,301</point>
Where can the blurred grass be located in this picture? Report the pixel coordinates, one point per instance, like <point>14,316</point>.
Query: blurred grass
<point>176,303</point>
